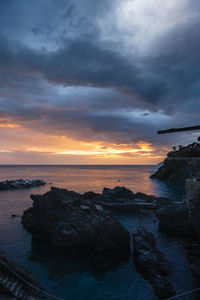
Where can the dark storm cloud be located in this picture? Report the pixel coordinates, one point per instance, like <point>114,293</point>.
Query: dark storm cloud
<point>84,63</point>
<point>170,73</point>
<point>61,42</point>
<point>177,63</point>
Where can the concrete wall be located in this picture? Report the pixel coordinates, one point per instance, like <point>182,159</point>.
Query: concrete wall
<point>192,188</point>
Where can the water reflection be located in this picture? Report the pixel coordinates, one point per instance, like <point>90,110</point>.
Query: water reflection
<point>84,178</point>
<point>60,262</point>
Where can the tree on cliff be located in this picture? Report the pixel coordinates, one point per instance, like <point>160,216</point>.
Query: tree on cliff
<point>180,147</point>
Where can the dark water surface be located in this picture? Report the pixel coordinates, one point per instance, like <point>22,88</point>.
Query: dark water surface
<point>81,275</point>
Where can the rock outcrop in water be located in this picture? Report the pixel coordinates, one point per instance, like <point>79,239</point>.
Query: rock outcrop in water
<point>180,164</point>
<point>20,184</point>
<point>153,264</point>
<point>16,281</point>
<point>122,199</point>
<point>117,194</point>
<point>67,219</point>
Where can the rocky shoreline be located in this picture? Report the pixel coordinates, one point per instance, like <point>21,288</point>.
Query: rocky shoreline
<point>70,220</point>
<point>66,218</point>
<point>20,184</point>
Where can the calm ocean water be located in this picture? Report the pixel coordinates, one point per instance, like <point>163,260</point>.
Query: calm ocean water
<point>80,275</point>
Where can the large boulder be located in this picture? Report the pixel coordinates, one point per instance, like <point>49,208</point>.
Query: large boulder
<point>122,195</point>
<point>92,196</point>
<point>67,220</point>
<point>176,219</point>
<point>118,194</point>
<point>152,263</point>
<point>121,199</point>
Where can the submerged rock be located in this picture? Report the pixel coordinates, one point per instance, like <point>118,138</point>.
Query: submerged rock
<point>20,184</point>
<point>152,264</point>
<point>15,216</point>
<point>67,220</point>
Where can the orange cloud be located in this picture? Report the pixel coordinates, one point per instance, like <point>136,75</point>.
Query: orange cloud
<point>39,145</point>
<point>9,125</point>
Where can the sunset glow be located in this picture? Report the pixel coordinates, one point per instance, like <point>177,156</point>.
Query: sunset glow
<point>92,83</point>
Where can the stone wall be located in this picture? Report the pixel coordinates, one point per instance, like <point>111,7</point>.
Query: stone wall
<point>192,189</point>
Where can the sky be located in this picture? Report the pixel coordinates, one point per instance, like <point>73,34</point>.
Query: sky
<point>91,82</point>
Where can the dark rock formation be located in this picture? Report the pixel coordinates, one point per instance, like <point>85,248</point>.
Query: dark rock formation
<point>122,199</point>
<point>175,218</point>
<point>15,216</point>
<point>66,219</point>
<point>144,197</point>
<point>176,170</point>
<point>130,207</point>
<point>180,164</point>
<point>92,196</point>
<point>193,255</point>
<point>118,193</point>
<point>152,264</point>
<point>20,184</point>
<point>152,199</point>
<point>14,280</point>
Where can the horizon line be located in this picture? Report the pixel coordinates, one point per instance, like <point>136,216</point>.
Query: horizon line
<point>78,164</point>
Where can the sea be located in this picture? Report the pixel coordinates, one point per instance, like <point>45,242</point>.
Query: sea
<point>79,275</point>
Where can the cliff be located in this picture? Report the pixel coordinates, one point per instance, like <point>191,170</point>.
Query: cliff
<point>180,164</point>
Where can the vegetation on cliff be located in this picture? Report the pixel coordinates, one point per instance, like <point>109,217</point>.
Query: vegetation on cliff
<point>181,163</point>
<point>190,151</point>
